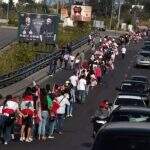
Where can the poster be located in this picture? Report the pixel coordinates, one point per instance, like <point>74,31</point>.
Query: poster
<point>81,13</point>
<point>98,24</point>
<point>64,13</point>
<point>37,28</point>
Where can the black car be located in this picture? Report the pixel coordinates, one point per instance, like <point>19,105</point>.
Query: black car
<point>123,136</point>
<point>123,114</point>
<point>147,43</point>
<point>140,78</point>
<point>146,48</point>
<point>136,88</point>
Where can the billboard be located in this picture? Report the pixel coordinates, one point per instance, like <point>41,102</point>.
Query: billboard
<point>81,13</point>
<point>37,28</point>
<point>64,13</point>
<point>98,24</point>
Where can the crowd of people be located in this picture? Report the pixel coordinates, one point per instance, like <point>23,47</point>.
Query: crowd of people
<point>41,112</point>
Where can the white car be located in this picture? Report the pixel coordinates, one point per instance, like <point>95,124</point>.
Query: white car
<point>128,100</point>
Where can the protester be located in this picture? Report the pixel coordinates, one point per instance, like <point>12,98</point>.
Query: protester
<point>46,104</point>
<point>63,101</point>
<point>81,87</point>
<point>27,109</point>
<point>10,108</point>
<point>123,52</point>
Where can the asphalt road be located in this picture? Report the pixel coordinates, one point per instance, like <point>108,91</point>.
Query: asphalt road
<point>7,36</point>
<point>78,130</point>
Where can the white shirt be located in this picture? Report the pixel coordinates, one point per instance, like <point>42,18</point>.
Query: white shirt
<point>71,58</point>
<point>73,80</point>
<point>123,50</point>
<point>81,84</point>
<point>11,105</point>
<point>1,108</point>
<point>66,57</point>
<point>63,101</point>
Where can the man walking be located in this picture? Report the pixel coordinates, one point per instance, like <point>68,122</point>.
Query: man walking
<point>123,52</point>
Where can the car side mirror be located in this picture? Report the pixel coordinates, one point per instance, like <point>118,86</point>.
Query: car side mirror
<point>118,89</point>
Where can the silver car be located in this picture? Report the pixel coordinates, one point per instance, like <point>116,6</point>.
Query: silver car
<point>143,58</point>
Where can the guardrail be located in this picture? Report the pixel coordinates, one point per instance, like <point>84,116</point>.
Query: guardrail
<point>24,72</point>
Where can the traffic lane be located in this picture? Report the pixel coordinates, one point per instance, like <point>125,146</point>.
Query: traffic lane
<point>78,130</point>
<point>7,36</point>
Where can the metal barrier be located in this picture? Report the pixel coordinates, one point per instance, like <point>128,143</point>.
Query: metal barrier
<point>24,72</point>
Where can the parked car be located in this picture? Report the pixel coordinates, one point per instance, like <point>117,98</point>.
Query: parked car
<point>123,136</point>
<point>143,58</point>
<point>140,78</point>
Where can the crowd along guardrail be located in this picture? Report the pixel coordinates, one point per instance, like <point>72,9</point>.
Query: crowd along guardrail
<point>24,72</point>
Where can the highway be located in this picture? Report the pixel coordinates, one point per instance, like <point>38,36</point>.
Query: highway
<point>7,36</point>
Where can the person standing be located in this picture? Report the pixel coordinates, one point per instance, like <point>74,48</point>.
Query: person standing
<point>66,59</point>
<point>71,61</point>
<point>123,52</point>
<point>81,87</point>
<point>72,101</point>
<point>27,109</point>
<point>46,103</point>
<point>63,101</point>
<point>7,118</point>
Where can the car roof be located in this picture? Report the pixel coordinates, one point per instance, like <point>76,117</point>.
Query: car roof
<point>129,96</point>
<point>132,81</point>
<point>141,94</point>
<point>144,51</point>
<point>143,127</point>
<point>132,109</point>
<point>139,76</point>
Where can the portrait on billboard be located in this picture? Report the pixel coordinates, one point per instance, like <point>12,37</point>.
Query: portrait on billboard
<point>37,28</point>
<point>81,13</point>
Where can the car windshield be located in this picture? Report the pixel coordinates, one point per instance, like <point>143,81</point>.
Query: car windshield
<point>126,142</point>
<point>129,102</point>
<point>130,117</point>
<point>145,54</point>
<point>140,79</point>
<point>133,87</point>
<point>146,47</point>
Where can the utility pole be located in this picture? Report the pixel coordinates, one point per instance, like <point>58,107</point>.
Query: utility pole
<point>119,3</point>
<point>7,15</point>
<point>112,7</point>
<point>119,12</point>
